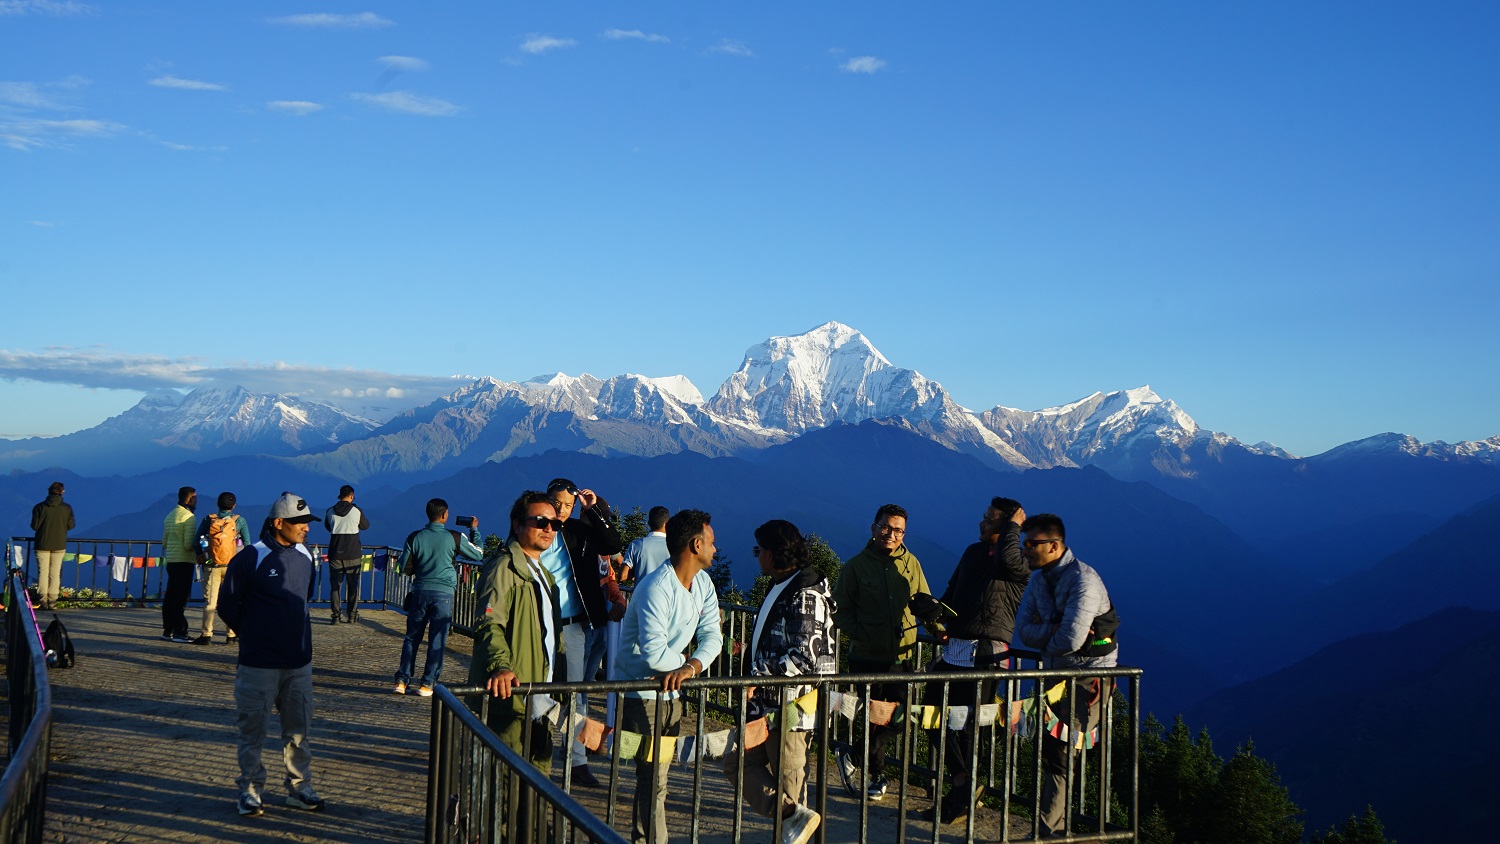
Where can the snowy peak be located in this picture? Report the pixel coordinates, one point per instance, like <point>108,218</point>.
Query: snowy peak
<point>1082,432</point>
<point>1485,451</point>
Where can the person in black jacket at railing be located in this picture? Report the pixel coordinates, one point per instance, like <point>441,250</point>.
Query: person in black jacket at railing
<point>344,521</point>
<point>573,561</point>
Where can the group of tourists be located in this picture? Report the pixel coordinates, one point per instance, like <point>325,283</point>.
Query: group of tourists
<point>547,594</point>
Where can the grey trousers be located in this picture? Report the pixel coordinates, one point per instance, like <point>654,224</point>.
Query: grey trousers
<point>768,762</point>
<point>650,777</point>
<point>256,690</point>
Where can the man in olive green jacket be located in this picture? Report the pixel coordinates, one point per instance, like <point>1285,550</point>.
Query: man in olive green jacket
<point>519,631</point>
<point>872,597</point>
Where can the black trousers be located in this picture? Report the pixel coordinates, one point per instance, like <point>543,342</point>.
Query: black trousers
<point>961,742</point>
<point>345,574</point>
<point>174,599</point>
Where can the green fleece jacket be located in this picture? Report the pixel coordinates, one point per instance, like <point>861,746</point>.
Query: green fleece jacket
<point>871,598</point>
<point>179,536</point>
<point>509,634</point>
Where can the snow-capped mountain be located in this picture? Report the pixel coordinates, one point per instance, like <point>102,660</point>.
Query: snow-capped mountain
<point>1486,451</point>
<point>165,428</point>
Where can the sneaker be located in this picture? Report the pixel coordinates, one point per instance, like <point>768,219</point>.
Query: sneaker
<point>166,637</point>
<point>335,619</point>
<point>584,777</point>
<point>878,787</point>
<point>400,688</point>
<point>249,804</point>
<point>232,640</point>
<point>849,773</point>
<point>307,799</point>
<point>204,640</point>
<point>182,640</point>
<point>425,691</point>
<point>799,828</point>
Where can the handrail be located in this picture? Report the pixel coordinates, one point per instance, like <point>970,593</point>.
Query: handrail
<point>23,788</point>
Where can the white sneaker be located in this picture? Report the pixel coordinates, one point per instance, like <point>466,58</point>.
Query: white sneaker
<point>877,788</point>
<point>848,772</point>
<point>306,798</point>
<point>249,804</point>
<point>799,828</point>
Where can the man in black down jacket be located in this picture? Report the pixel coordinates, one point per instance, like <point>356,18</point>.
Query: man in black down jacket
<point>985,591</point>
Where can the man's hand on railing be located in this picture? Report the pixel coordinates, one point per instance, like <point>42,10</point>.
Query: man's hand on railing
<point>502,683</point>
<point>672,680</point>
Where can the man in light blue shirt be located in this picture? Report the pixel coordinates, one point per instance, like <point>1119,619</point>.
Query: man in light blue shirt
<point>650,551</point>
<point>673,606</point>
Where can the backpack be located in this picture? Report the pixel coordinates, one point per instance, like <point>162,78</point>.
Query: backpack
<point>223,533</point>
<point>58,644</point>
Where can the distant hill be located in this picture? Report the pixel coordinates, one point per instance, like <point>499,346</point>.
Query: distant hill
<point>1399,720</point>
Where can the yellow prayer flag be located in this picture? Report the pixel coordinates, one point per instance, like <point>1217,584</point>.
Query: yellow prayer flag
<point>668,749</point>
<point>809,702</point>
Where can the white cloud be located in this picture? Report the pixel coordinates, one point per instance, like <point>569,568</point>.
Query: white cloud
<point>728,47</point>
<point>294,107</point>
<point>403,63</point>
<point>27,134</point>
<point>363,20</point>
<point>862,64</point>
<point>634,34</point>
<point>167,80</point>
<point>43,224</point>
<point>38,94</point>
<point>409,103</point>
<point>56,8</point>
<point>536,44</point>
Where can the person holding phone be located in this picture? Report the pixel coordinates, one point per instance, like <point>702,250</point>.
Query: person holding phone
<point>428,556</point>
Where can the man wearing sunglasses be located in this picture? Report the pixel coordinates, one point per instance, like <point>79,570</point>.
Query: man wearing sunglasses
<point>516,639</point>
<point>573,561</point>
<point>872,601</point>
<point>1065,614</point>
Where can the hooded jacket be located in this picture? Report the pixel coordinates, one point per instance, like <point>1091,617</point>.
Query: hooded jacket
<point>264,599</point>
<point>51,520</point>
<point>871,600</point>
<point>986,588</point>
<point>344,521</point>
<point>509,635</point>
<point>796,638</point>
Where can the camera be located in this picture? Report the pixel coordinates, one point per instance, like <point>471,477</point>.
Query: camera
<point>464,521</point>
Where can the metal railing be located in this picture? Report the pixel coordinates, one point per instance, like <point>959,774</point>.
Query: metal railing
<point>23,788</point>
<point>1101,783</point>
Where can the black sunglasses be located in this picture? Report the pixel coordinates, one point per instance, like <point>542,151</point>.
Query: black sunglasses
<point>568,488</point>
<point>542,522</point>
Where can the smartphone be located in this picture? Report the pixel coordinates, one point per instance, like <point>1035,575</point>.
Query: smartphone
<point>464,521</point>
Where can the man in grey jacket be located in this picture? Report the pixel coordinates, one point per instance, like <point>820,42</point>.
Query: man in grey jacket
<point>1065,614</point>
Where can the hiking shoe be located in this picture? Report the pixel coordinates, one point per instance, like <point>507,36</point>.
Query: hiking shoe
<point>232,640</point>
<point>799,828</point>
<point>182,640</point>
<point>425,691</point>
<point>204,640</point>
<point>584,777</point>
<point>166,637</point>
<point>307,799</point>
<point>400,688</point>
<point>849,773</point>
<point>878,787</point>
<point>249,804</point>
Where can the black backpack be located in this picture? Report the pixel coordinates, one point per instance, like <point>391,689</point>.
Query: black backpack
<point>58,644</point>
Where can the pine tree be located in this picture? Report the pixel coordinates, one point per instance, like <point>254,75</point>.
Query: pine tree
<point>1366,829</point>
<point>632,525</point>
<point>1251,805</point>
<point>1178,776</point>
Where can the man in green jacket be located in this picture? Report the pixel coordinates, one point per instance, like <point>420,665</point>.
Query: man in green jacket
<point>872,597</point>
<point>51,520</point>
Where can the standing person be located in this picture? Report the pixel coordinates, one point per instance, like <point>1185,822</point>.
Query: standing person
<point>344,521</point>
<point>676,604</point>
<point>984,591</point>
<point>50,522</point>
<point>428,556</point>
<point>650,551</point>
<point>179,551</point>
<point>224,534</point>
<point>793,636</point>
<point>517,637</point>
<point>1065,614</point>
<point>573,561</point>
<point>871,606</point>
<point>265,597</point>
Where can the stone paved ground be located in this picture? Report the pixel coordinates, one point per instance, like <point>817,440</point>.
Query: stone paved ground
<point>142,748</point>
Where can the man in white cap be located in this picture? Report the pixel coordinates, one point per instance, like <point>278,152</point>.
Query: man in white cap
<point>265,598</point>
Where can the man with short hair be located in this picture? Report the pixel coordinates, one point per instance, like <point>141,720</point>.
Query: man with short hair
<point>573,560</point>
<point>984,591</point>
<point>344,521</point>
<point>428,556</point>
<point>50,522</point>
<point>1066,614</point>
<point>672,607</point>
<point>650,551</point>
<point>265,597</point>
<point>221,535</point>
<point>179,551</point>
<point>872,599</point>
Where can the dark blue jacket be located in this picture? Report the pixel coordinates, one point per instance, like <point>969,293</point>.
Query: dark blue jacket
<point>264,599</point>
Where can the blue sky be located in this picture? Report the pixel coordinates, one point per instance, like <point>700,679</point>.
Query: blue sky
<point>1283,216</point>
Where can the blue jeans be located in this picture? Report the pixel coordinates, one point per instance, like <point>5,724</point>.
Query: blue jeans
<point>434,609</point>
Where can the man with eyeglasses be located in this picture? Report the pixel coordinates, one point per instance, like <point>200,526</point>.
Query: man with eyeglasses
<point>1065,614</point>
<point>573,560</point>
<point>517,637</point>
<point>872,600</point>
<point>984,591</point>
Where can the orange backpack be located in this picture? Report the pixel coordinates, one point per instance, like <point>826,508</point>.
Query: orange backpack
<point>223,533</point>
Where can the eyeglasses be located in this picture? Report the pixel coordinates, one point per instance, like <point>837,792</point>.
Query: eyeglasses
<point>893,531</point>
<point>1037,543</point>
<point>542,523</point>
<point>755,552</point>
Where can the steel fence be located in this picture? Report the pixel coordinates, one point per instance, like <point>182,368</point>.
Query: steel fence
<point>23,789</point>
